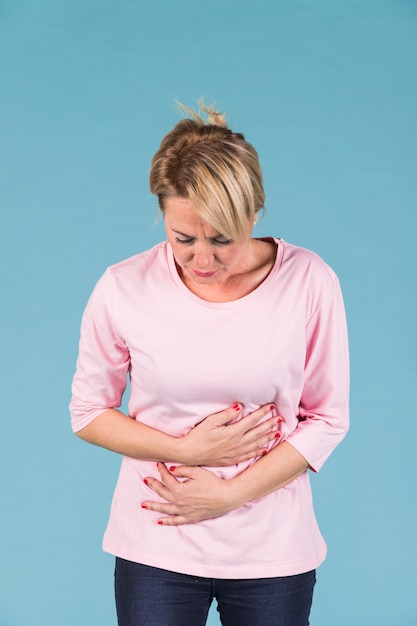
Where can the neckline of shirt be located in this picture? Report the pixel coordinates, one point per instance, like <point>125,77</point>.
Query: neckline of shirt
<point>232,303</point>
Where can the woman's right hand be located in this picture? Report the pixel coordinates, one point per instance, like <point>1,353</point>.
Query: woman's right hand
<point>219,440</point>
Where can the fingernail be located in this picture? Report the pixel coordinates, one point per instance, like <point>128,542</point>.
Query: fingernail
<point>236,407</point>
<point>145,480</point>
<point>160,522</point>
<point>272,407</point>
<point>264,452</point>
<point>143,506</point>
<point>277,435</point>
<point>280,420</point>
<point>171,469</point>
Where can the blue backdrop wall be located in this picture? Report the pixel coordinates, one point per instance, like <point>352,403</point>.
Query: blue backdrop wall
<point>326,91</point>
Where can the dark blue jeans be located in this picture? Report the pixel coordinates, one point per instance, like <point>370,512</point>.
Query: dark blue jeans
<point>148,596</point>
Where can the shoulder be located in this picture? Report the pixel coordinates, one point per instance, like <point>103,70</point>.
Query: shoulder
<point>132,274</point>
<point>140,263</point>
<point>137,268</point>
<point>307,277</point>
<point>306,263</point>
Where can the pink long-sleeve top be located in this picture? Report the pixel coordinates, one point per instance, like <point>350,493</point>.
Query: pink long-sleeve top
<point>285,342</point>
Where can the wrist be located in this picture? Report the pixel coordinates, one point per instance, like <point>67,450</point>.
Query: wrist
<point>233,494</point>
<point>182,452</point>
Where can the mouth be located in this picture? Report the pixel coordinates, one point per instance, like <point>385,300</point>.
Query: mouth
<point>204,274</point>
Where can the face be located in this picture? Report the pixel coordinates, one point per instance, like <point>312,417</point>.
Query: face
<point>203,255</point>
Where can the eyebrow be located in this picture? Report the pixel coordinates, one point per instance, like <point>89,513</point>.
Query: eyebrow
<point>178,232</point>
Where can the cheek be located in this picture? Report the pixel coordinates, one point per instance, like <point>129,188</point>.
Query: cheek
<point>229,257</point>
<point>180,255</point>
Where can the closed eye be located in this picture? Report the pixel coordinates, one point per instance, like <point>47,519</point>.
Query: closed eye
<point>221,242</point>
<point>186,242</point>
<point>190,240</point>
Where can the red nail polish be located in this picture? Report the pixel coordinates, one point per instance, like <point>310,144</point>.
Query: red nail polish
<point>171,469</point>
<point>280,420</point>
<point>145,480</point>
<point>143,506</point>
<point>277,435</point>
<point>236,407</point>
<point>160,522</point>
<point>264,452</point>
<point>272,407</point>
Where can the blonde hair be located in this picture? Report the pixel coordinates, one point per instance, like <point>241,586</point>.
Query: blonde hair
<point>213,167</point>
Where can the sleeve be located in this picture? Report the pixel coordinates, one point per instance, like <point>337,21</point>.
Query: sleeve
<point>103,360</point>
<point>324,403</point>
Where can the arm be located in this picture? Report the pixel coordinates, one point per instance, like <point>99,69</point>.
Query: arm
<point>213,442</point>
<point>203,495</point>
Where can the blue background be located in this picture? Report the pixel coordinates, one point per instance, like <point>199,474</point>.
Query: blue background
<point>326,91</point>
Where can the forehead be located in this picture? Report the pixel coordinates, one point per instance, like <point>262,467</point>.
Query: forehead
<point>181,216</point>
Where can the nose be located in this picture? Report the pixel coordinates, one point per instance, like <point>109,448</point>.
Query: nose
<point>203,257</point>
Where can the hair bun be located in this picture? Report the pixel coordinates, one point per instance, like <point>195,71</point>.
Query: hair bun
<point>211,116</point>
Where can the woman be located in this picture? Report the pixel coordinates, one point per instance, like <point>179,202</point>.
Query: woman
<point>249,332</point>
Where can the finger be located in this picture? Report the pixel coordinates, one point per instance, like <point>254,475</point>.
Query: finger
<point>267,428</point>
<point>273,436</point>
<point>225,417</point>
<point>184,471</point>
<point>166,508</point>
<point>166,475</point>
<point>249,422</point>
<point>174,520</point>
<point>159,488</point>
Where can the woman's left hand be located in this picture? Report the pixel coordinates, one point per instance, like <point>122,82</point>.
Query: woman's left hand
<point>191,494</point>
